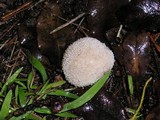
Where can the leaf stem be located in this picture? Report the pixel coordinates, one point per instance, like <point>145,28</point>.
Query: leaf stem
<point>142,99</point>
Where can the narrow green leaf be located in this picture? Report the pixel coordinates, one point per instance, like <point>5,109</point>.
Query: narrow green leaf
<point>55,84</point>
<point>66,115</point>
<point>29,80</point>
<point>14,118</point>
<point>44,118</point>
<point>6,105</point>
<point>43,88</point>
<point>21,79</point>
<point>130,83</point>
<point>38,65</point>
<point>21,84</point>
<point>130,110</point>
<point>48,86</point>
<point>43,110</point>
<point>0,85</point>
<point>11,80</point>
<point>22,97</point>
<point>33,116</point>
<point>88,95</point>
<point>30,101</point>
<point>21,117</point>
<point>64,93</point>
<point>16,94</point>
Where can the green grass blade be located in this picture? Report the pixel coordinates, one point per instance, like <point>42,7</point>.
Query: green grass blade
<point>48,86</point>
<point>43,88</point>
<point>10,80</point>
<point>66,115</point>
<point>22,97</point>
<point>29,80</point>
<point>64,93</point>
<point>21,117</point>
<point>88,95</point>
<point>21,84</point>
<point>33,116</point>
<point>130,83</point>
<point>55,84</point>
<point>6,105</point>
<point>16,94</point>
<point>43,110</point>
<point>38,65</point>
<point>44,118</point>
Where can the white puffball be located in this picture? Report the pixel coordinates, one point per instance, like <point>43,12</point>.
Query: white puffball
<point>86,60</point>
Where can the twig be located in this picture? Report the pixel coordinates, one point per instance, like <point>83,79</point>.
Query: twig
<point>16,11</point>
<point>119,31</point>
<point>2,45</point>
<point>71,23</point>
<point>8,29</point>
<point>14,59</point>
<point>8,42</point>
<point>40,1</point>
<point>78,26</point>
<point>14,65</point>
<point>68,23</point>
<point>12,52</point>
<point>2,5</point>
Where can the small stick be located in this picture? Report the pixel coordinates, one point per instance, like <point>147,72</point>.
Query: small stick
<point>119,31</point>
<point>15,63</point>
<point>12,52</point>
<point>16,11</point>
<point>68,23</point>
<point>8,29</point>
<point>71,23</point>
<point>2,45</point>
<point>40,1</point>
<point>2,5</point>
<point>78,26</point>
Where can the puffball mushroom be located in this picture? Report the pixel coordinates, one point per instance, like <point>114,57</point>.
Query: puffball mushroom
<point>86,60</point>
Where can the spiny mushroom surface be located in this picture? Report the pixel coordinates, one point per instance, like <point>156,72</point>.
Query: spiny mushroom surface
<point>86,60</point>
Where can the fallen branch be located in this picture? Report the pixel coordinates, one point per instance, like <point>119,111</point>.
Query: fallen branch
<point>68,23</point>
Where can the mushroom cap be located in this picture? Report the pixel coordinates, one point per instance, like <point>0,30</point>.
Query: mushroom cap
<point>86,60</point>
